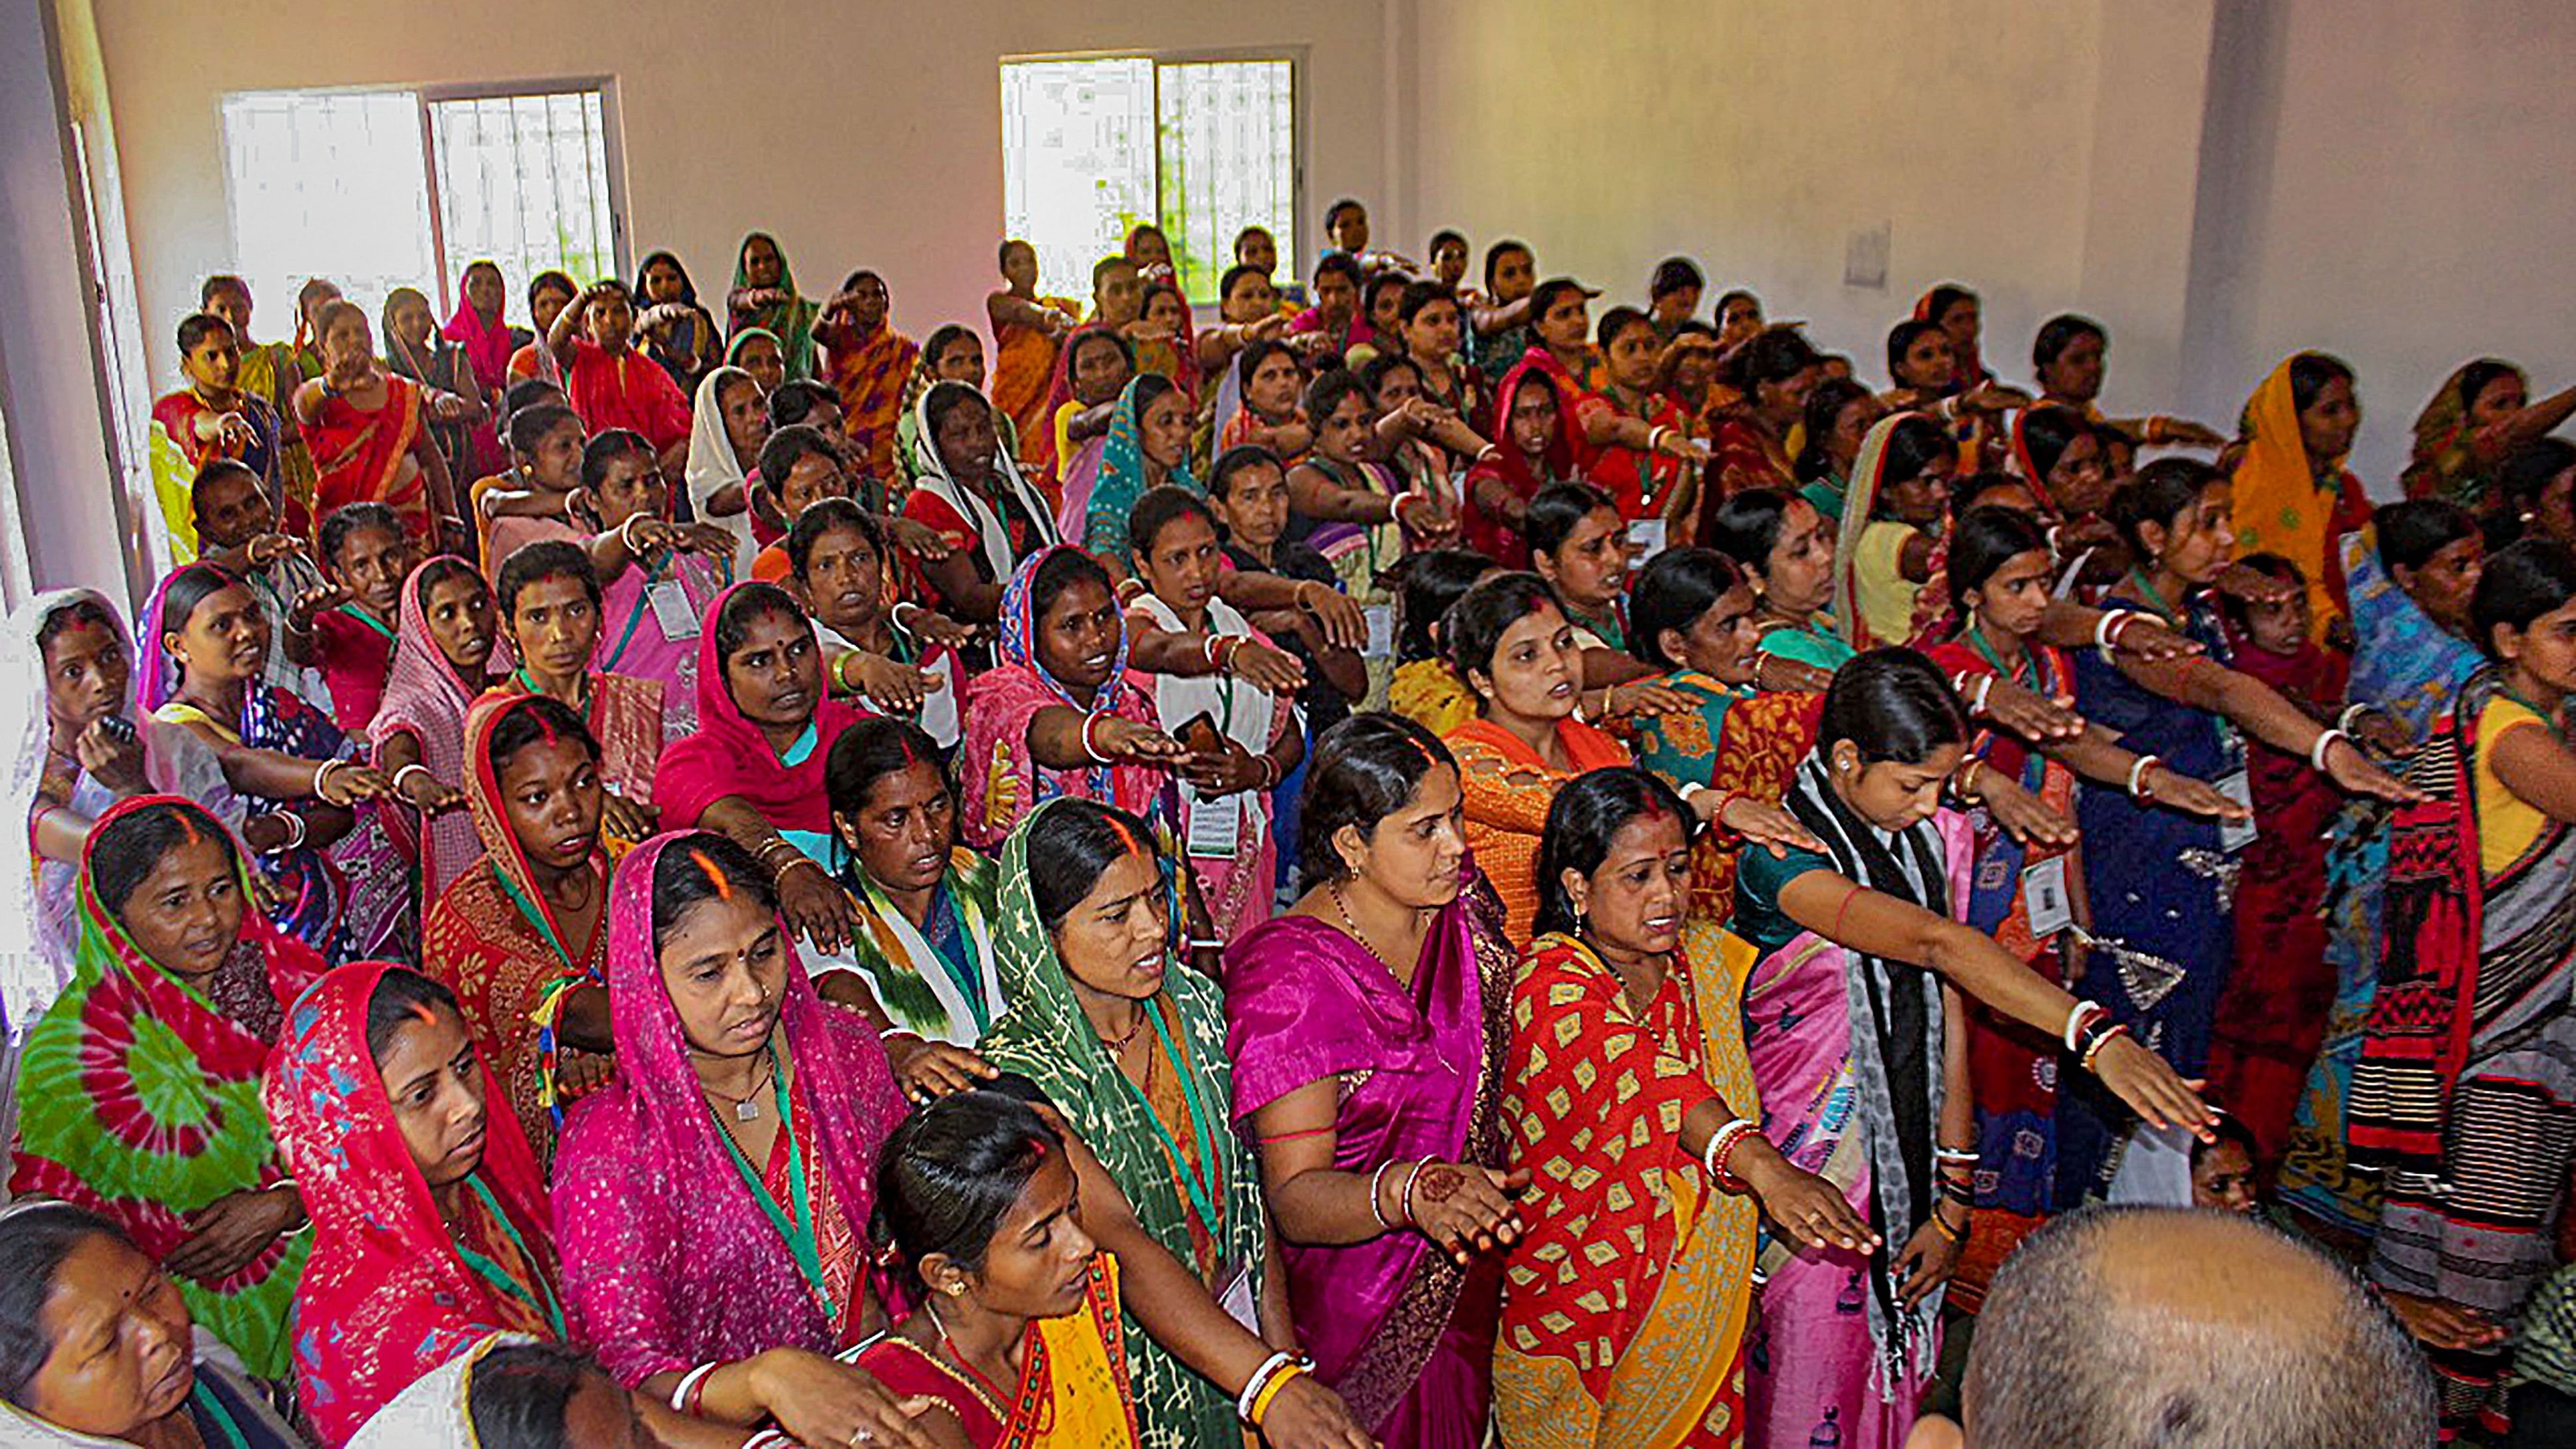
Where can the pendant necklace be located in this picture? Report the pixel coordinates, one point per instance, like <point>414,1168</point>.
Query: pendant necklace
<point>745,1108</point>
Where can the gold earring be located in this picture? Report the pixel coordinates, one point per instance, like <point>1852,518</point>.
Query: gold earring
<point>956,1290</point>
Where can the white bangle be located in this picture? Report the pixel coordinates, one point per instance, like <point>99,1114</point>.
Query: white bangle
<point>322,781</point>
<point>2138,773</point>
<point>1377,1180</point>
<point>688,1381</point>
<point>1719,1142</point>
<point>2102,637</point>
<point>2351,713</point>
<point>2079,1016</point>
<point>626,532</point>
<point>1260,1376</point>
<point>406,772</point>
<point>2324,742</point>
<point>1985,686</point>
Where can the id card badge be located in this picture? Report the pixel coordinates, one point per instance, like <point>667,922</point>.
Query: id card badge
<point>1237,1302</point>
<point>672,610</point>
<point>1647,536</point>
<point>2235,835</point>
<point>1381,632</point>
<point>1216,828</point>
<point>2043,894</point>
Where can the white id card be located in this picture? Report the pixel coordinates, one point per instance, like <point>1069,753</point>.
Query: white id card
<point>1381,632</point>
<point>1647,536</point>
<point>2235,835</point>
<point>1216,827</point>
<point>1237,1302</point>
<point>2043,892</point>
<point>672,610</point>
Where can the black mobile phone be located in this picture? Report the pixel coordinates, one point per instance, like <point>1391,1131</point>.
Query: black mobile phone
<point>118,728</point>
<point>1200,733</point>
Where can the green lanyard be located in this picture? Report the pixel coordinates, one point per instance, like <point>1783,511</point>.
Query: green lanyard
<point>2548,719</point>
<point>203,1397</point>
<point>1203,1195</point>
<point>370,620</point>
<point>519,677</point>
<point>538,919</point>
<point>2155,600</point>
<point>799,1232</point>
<point>1646,484</point>
<point>635,616</point>
<point>1977,641</point>
<point>499,1277</point>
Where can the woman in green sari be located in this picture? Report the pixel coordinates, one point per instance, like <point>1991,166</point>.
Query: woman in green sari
<point>1129,1049</point>
<point>764,296</point>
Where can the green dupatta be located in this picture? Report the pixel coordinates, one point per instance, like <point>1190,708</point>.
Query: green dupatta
<point>1045,1037</point>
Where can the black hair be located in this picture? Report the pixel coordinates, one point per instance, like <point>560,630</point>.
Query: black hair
<point>194,327</point>
<point>1375,371</point>
<point>796,400</point>
<point>821,518</point>
<point>1329,389</point>
<point>520,1394</point>
<point>2158,493</point>
<point>1337,264</point>
<point>1555,511</point>
<point>1967,488</point>
<point>1475,624</point>
<point>946,397</point>
<point>945,336</point>
<point>1074,344</point>
<point>788,446</point>
<point>865,274</point>
<point>1900,340</point>
<point>1103,267</point>
<point>1379,283</point>
<point>127,849</point>
<point>1236,273</point>
<point>2528,470</point>
<point>1427,583</point>
<point>2059,333</point>
<point>1774,354</point>
<point>2047,431</point>
<point>526,393</point>
<point>218,284</point>
<point>547,558</point>
<point>1247,233</point>
<point>2311,373</point>
<point>2226,1127</point>
<point>681,881</point>
<point>742,606</point>
<point>1581,822</point>
<point>1893,704</point>
<point>1674,274</point>
<point>872,748</point>
<point>2475,377</point>
<point>1443,236</point>
<point>1060,571</point>
<point>1938,302</point>
<point>1543,297</point>
<point>1002,254</point>
<point>1158,509</point>
<point>1333,213</point>
<point>601,452</point>
<point>401,995</point>
<point>1418,295</point>
<point>950,1173</point>
<point>1984,540</point>
<point>350,518</point>
<point>1916,442</point>
<point>1618,320</point>
<point>1220,479</point>
<point>1733,295</point>
<point>529,426</point>
<point>1676,588</point>
<point>1072,843</point>
<point>688,289</point>
<point>79,611</point>
<point>2519,583</point>
<point>213,471</point>
<point>2410,533</point>
<point>1494,257</point>
<point>1149,388</point>
<point>35,1237</point>
<point>188,588</point>
<point>1365,768</point>
<point>550,281</point>
<point>440,570</point>
<point>533,717</point>
<point>1747,526</point>
<point>1825,403</point>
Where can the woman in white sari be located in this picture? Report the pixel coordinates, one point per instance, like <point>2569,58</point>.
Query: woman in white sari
<point>728,422</point>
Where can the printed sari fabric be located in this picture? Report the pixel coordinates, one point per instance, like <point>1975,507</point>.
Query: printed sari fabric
<point>2409,668</point>
<point>2465,1091</point>
<point>729,756</point>
<point>995,524</point>
<point>355,651</point>
<point>623,714</point>
<point>362,456</point>
<point>2455,460</point>
<point>425,699</point>
<point>1023,365</point>
<point>1073,1386</point>
<point>670,1256</point>
<point>1625,1305</point>
<point>868,372</point>
<point>777,310</point>
<point>1743,454</point>
<point>2282,507</point>
<point>1508,787</point>
<point>1737,740</point>
<point>177,416</point>
<point>1003,781</point>
<point>650,616</point>
<point>1121,481</point>
<point>1167,1154</point>
<point>1240,883</point>
<point>1641,482</point>
<point>937,980</point>
<point>1482,529</point>
<point>626,389</point>
<point>1403,1334</point>
<point>1427,692</point>
<point>492,938</point>
<point>1835,1352</point>
<point>139,1100</point>
<point>392,1291</point>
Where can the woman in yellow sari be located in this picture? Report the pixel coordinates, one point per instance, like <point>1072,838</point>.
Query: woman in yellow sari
<point>1629,1099</point>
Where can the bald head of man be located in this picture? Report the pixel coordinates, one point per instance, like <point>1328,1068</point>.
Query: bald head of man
<point>2161,1328</point>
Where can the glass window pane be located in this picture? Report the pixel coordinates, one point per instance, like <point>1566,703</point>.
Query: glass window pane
<point>1229,153</point>
<point>523,181</point>
<point>327,184</point>
<point>1077,162</point>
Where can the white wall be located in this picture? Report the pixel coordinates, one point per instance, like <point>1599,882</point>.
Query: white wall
<point>863,134</point>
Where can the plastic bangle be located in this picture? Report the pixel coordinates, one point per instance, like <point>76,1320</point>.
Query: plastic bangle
<point>1259,1380</point>
<point>294,840</point>
<point>1410,1178</point>
<point>1965,1155</point>
<point>1207,651</point>
<point>626,533</point>
<point>322,781</point>
<point>407,771</point>
<point>2324,742</point>
<point>1271,1390</point>
<point>2116,1030</point>
<point>2352,713</point>
<point>2104,636</point>
<point>1956,1235</point>
<point>693,1383</point>
<point>1721,1144</point>
<point>1089,751</point>
<point>1962,784</point>
<point>1377,1180</point>
<point>2079,1016</point>
<point>2138,776</point>
<point>1985,687</point>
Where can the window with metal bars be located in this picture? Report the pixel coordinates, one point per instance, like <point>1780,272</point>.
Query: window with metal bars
<point>383,189</point>
<point>1094,145</point>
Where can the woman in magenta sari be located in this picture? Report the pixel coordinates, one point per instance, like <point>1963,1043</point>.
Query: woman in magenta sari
<point>478,326</point>
<point>1373,1090</point>
<point>696,1276</point>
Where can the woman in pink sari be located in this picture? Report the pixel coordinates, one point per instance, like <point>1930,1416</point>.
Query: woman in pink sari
<point>718,1259</point>
<point>478,326</point>
<point>1373,1090</point>
<point>658,579</point>
<point>445,650</point>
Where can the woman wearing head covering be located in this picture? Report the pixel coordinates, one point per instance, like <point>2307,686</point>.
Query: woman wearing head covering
<point>713,1200</point>
<point>140,1085</point>
<point>2480,413</point>
<point>867,361</point>
<point>952,353</point>
<point>444,652</point>
<point>415,349</point>
<point>420,1249</point>
<point>487,339</point>
<point>677,332</point>
<point>1889,553</point>
<point>1091,370</point>
<point>726,428</point>
<point>2294,497</point>
<point>971,492</point>
<point>1148,447</point>
<point>764,298</point>
<point>1058,714</point>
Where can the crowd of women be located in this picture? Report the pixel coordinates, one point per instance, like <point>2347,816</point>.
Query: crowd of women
<point>1402,864</point>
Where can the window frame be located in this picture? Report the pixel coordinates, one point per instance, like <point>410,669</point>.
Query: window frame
<point>1299,123</point>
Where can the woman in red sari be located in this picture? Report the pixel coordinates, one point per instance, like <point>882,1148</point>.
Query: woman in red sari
<point>1641,447</point>
<point>478,326</point>
<point>1533,416</point>
<point>368,433</point>
<point>1751,444</point>
<point>868,363</point>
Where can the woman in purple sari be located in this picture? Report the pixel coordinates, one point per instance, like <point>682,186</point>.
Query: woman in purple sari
<point>693,1274</point>
<point>1373,1089</point>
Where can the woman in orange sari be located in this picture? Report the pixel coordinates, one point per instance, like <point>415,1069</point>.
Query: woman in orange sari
<point>368,432</point>
<point>1027,330</point>
<point>868,363</point>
